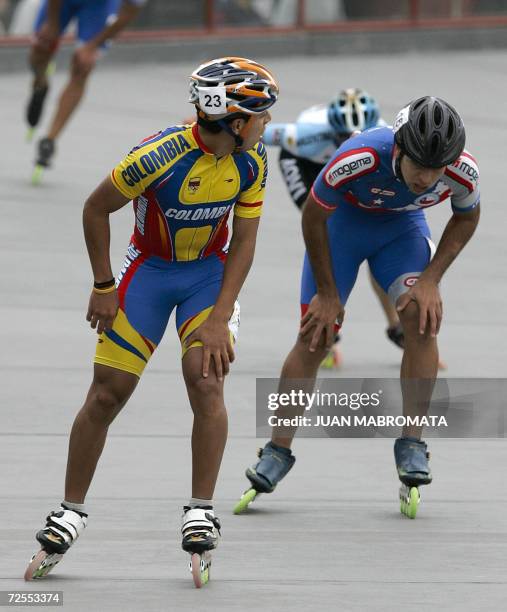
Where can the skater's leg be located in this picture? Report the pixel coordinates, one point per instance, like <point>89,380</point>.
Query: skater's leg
<point>70,98</point>
<point>299,364</point>
<point>109,392</point>
<point>92,19</point>
<point>209,432</point>
<point>396,267</point>
<point>200,528</point>
<point>419,368</point>
<point>120,359</point>
<point>51,22</point>
<point>394,331</point>
<point>39,58</point>
<point>387,306</point>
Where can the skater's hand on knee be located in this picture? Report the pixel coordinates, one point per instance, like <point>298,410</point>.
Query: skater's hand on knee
<point>216,344</point>
<point>102,310</point>
<point>320,319</point>
<point>426,295</point>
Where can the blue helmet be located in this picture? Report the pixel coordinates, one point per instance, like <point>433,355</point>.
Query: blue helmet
<point>353,109</point>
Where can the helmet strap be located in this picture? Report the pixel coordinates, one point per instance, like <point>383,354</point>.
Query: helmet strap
<point>225,124</point>
<point>204,122</point>
<point>397,167</point>
<point>247,128</point>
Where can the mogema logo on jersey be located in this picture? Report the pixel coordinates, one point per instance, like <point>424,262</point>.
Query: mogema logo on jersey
<point>463,166</point>
<point>348,166</point>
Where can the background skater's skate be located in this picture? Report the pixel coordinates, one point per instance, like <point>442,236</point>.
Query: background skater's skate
<point>274,463</point>
<point>411,458</point>
<point>200,530</point>
<point>45,152</point>
<point>62,529</point>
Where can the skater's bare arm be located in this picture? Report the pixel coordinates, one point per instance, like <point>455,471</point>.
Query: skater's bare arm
<point>425,292</point>
<point>458,231</point>
<point>325,308</point>
<point>105,200</point>
<point>238,263</point>
<point>214,332</point>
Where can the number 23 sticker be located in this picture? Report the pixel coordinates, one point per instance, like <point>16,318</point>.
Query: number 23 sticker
<point>212,100</point>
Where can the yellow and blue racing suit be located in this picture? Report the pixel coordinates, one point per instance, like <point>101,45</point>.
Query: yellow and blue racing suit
<point>183,195</point>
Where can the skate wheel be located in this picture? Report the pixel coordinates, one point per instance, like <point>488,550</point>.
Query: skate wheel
<point>51,69</point>
<point>409,501</point>
<point>37,174</point>
<point>333,360</point>
<point>41,564</point>
<point>34,564</point>
<point>200,568</point>
<point>195,565</point>
<point>246,499</point>
<point>29,134</point>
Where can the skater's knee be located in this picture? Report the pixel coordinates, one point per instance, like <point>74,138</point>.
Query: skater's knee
<point>410,314</point>
<point>40,52</point>
<point>80,68</point>
<point>302,350</point>
<point>409,318</point>
<point>103,405</point>
<point>205,388</point>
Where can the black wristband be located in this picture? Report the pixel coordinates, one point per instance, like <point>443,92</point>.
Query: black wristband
<point>105,285</point>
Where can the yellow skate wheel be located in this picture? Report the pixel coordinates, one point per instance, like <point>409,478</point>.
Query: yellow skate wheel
<point>328,362</point>
<point>51,69</point>
<point>409,501</point>
<point>37,174</point>
<point>246,499</point>
<point>333,360</point>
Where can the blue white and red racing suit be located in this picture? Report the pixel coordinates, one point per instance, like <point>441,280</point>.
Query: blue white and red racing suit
<point>375,217</point>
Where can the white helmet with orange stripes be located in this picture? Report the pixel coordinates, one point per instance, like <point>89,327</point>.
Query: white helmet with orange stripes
<point>231,85</point>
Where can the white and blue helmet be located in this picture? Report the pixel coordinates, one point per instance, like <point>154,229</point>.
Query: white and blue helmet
<point>351,110</point>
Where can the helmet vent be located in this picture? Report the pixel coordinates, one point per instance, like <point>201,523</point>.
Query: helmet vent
<point>435,144</point>
<point>422,123</point>
<point>437,115</point>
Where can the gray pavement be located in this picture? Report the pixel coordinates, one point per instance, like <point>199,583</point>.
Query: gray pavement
<point>331,536</point>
